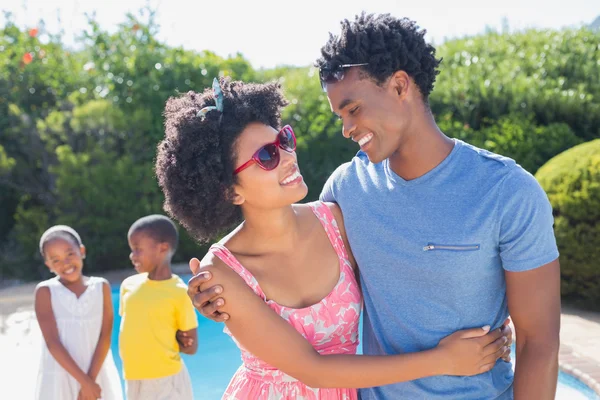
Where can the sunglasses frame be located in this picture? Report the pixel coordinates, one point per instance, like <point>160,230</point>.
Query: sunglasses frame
<point>256,160</point>
<point>337,73</point>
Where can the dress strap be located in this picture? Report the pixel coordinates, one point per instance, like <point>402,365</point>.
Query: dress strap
<point>330,225</point>
<point>229,259</point>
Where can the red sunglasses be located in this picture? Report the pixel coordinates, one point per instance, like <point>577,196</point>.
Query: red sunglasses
<point>267,157</point>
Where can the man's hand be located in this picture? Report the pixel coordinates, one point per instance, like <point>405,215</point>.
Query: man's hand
<point>508,332</point>
<point>206,302</point>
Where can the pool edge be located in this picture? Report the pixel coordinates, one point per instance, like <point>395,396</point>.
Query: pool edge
<point>577,365</point>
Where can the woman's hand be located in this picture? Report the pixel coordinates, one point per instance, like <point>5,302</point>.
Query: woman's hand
<point>473,351</point>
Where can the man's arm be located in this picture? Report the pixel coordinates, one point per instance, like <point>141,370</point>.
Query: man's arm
<point>530,259</point>
<point>534,306</point>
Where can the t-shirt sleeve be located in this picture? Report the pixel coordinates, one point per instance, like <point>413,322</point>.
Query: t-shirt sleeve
<point>329,192</point>
<point>526,223</point>
<point>186,314</point>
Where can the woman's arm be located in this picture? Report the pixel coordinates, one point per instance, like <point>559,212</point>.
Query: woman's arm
<point>105,332</point>
<point>47,322</point>
<point>269,337</point>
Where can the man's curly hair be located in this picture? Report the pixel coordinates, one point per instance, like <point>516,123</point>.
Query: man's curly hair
<point>195,161</point>
<point>388,44</point>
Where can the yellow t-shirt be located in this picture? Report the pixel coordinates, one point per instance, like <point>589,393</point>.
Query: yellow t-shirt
<point>152,312</point>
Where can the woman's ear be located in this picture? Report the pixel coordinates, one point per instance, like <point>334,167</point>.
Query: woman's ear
<point>238,199</point>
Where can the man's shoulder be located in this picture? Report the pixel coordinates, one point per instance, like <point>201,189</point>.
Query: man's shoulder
<point>515,180</point>
<point>350,170</point>
<point>476,154</point>
<point>487,164</point>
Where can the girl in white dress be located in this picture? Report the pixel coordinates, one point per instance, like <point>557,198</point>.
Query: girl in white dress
<point>75,314</point>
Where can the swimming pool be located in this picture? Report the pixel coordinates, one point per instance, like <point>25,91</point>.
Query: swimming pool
<point>218,358</point>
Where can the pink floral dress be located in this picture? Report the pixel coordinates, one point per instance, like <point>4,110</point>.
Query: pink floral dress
<point>331,326</point>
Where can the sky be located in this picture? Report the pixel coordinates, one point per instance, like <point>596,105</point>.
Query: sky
<point>283,32</point>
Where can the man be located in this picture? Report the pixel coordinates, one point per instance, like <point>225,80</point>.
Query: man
<point>447,236</point>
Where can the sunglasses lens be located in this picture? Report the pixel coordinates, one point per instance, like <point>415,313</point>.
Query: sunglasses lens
<point>287,139</point>
<point>332,75</point>
<point>268,157</point>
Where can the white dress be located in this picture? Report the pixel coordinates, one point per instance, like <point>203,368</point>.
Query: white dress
<point>79,321</point>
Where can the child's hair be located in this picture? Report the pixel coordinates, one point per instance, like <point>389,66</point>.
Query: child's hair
<point>388,44</point>
<point>59,231</point>
<point>158,227</point>
<point>195,161</point>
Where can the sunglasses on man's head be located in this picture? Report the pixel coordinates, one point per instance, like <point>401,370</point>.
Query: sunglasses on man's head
<point>267,157</point>
<point>334,74</point>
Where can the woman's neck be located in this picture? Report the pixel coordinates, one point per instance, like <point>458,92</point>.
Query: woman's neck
<point>271,230</point>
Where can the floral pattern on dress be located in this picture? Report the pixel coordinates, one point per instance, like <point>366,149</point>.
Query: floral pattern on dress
<point>331,326</point>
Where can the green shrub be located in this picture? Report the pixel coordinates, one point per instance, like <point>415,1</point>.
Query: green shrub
<point>516,136</point>
<point>572,181</point>
<point>548,73</point>
<point>79,126</point>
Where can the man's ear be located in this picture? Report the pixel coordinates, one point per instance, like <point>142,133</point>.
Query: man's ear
<point>400,82</point>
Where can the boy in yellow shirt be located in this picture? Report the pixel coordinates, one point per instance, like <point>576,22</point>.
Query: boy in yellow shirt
<point>155,311</point>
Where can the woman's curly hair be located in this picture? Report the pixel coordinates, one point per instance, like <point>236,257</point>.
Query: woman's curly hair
<point>388,44</point>
<point>195,161</point>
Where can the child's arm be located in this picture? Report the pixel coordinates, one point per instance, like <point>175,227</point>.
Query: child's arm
<point>104,340</point>
<point>47,322</point>
<point>187,324</point>
<point>188,341</point>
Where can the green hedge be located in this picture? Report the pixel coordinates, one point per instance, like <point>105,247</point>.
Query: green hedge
<point>552,75</point>
<point>78,129</point>
<point>572,181</point>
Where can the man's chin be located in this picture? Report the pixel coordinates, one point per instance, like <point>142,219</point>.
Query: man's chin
<point>375,158</point>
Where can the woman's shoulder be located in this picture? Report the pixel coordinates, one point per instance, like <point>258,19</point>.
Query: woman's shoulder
<point>307,211</point>
<point>326,211</point>
<point>219,256</point>
<point>334,208</point>
<point>320,205</point>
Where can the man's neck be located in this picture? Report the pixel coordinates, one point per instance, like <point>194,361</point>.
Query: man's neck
<point>422,151</point>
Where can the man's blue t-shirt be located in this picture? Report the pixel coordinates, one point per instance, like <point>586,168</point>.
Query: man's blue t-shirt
<point>432,253</point>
